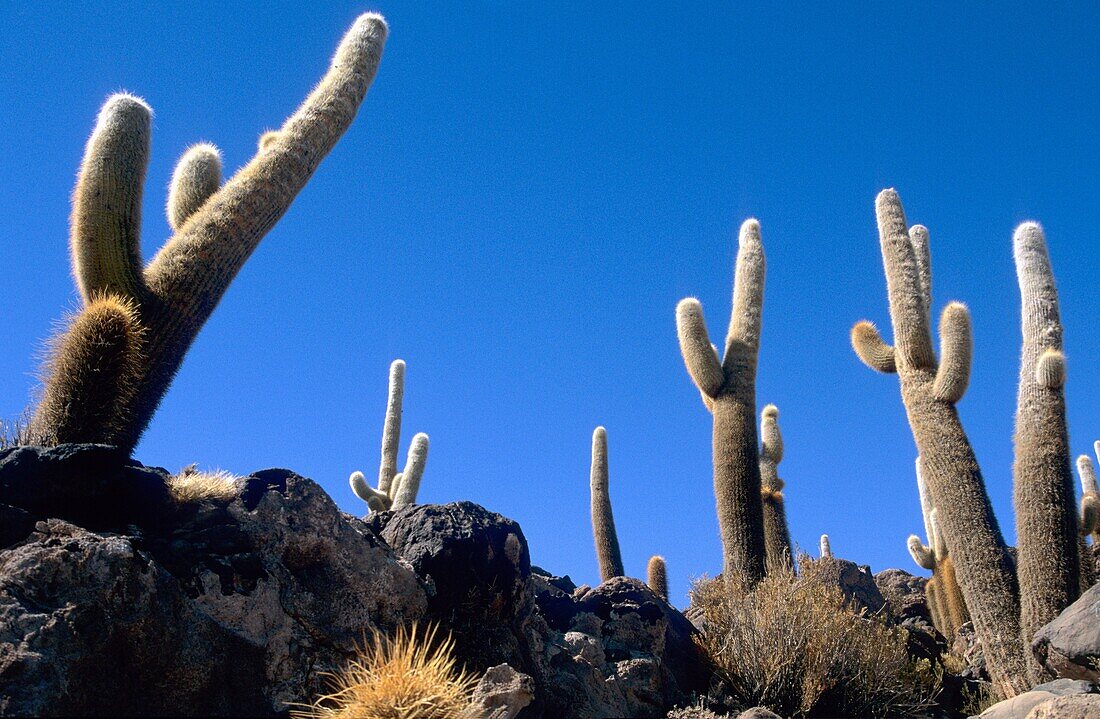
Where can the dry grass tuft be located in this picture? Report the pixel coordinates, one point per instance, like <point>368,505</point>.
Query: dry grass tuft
<point>15,433</point>
<point>191,485</point>
<point>410,675</point>
<point>794,645</point>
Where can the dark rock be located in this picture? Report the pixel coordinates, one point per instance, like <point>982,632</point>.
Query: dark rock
<point>855,582</point>
<point>904,595</point>
<point>1069,646</point>
<point>968,647</point>
<point>758,713</point>
<point>503,693</point>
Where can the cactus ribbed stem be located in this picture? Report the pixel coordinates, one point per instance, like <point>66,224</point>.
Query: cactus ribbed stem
<point>777,537</point>
<point>729,392</point>
<point>391,428</point>
<point>197,176</point>
<point>406,493</point>
<point>657,576</point>
<point>1046,522</point>
<point>603,521</point>
<point>824,548</point>
<point>951,470</point>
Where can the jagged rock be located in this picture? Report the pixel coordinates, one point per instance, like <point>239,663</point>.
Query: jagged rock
<point>758,713</point>
<point>904,595</point>
<point>202,608</point>
<point>1069,646</point>
<point>968,646</point>
<point>1076,706</point>
<point>855,582</point>
<point>1020,706</point>
<point>503,693</point>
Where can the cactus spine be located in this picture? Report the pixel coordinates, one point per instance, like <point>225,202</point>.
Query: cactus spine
<point>395,489</point>
<point>215,232</point>
<point>777,537</point>
<point>1046,521</point>
<point>728,387</point>
<point>951,470</point>
<point>603,522</point>
<point>825,550</point>
<point>657,577</point>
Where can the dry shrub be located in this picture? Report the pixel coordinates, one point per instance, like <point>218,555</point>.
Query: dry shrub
<point>410,675</point>
<point>796,646</point>
<point>191,485</point>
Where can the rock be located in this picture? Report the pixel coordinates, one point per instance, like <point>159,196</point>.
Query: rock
<point>695,712</point>
<point>1069,646</point>
<point>904,595</point>
<point>1077,706</point>
<point>967,646</point>
<point>205,607</point>
<point>758,713</point>
<point>1019,706</point>
<point>854,581</point>
<point>503,693</point>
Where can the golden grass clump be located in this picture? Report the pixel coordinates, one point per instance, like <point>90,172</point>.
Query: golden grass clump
<point>796,646</point>
<point>191,485</point>
<point>409,675</point>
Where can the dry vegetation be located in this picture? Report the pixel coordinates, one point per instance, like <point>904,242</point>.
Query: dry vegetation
<point>794,645</point>
<point>191,485</point>
<point>411,675</point>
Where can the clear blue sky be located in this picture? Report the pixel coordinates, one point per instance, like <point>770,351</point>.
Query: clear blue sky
<point>528,191</point>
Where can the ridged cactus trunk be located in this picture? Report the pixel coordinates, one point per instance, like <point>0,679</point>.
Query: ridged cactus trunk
<point>657,576</point>
<point>216,230</point>
<point>929,391</point>
<point>603,522</point>
<point>1088,519</point>
<point>728,388</point>
<point>1047,563</point>
<point>777,538</point>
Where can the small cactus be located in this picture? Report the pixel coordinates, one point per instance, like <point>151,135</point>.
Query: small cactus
<point>395,489</point>
<point>1089,520</point>
<point>825,550</point>
<point>216,230</point>
<point>728,387</point>
<point>777,538</point>
<point>945,599</point>
<point>603,522</point>
<point>657,577</point>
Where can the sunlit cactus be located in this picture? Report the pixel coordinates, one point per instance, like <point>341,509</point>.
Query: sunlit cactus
<point>728,387</point>
<point>216,231</point>
<point>1047,563</point>
<point>929,391</point>
<point>824,548</point>
<point>777,537</point>
<point>657,576</point>
<point>603,521</point>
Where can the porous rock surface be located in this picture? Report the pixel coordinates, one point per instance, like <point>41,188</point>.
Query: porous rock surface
<point>1059,699</point>
<point>1069,646</point>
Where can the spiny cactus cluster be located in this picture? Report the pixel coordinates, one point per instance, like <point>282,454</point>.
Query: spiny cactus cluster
<point>106,374</point>
<point>1007,601</point>
<point>395,489</point>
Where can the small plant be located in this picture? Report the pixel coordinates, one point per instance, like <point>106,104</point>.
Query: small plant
<point>191,485</point>
<point>796,646</point>
<point>409,675</point>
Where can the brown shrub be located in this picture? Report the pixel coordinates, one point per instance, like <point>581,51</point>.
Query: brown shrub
<point>794,645</point>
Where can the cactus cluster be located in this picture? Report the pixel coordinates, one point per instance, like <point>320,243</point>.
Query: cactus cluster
<point>395,489</point>
<point>106,374</point>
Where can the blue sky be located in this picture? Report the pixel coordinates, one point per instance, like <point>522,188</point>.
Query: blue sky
<point>528,191</point>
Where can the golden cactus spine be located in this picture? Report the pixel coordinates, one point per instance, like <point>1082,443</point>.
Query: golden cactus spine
<point>929,392</point>
<point>657,576</point>
<point>728,388</point>
<point>603,522</point>
<point>777,537</point>
<point>1047,563</point>
<point>214,233</point>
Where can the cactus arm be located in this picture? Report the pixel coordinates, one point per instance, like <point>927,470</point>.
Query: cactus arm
<point>777,537</point>
<point>956,349</point>
<point>395,485</point>
<point>1046,516</point>
<point>1087,473</point>
<point>771,439</point>
<point>409,488</point>
<point>95,366</point>
<point>743,337</point>
<point>1090,514</point>
<point>922,253</point>
<point>391,427</point>
<point>700,356</point>
<point>105,238</point>
<point>657,576</point>
<point>872,349</point>
<point>197,176</point>
<point>603,521</point>
<point>376,501</point>
<point>912,333</point>
<point>824,547</point>
<point>921,553</point>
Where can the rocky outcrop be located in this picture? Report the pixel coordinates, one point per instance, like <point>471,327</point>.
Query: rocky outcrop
<point>503,693</point>
<point>855,581</point>
<point>1069,646</point>
<point>1059,699</point>
<point>119,601</point>
<point>904,595</point>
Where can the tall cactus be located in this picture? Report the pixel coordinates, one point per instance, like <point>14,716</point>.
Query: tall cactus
<point>1046,523</point>
<point>777,537</point>
<point>824,547</point>
<point>657,576</point>
<point>945,600</point>
<point>929,391</point>
<point>395,489</point>
<point>1088,521</point>
<point>215,232</point>
<point>603,522</point>
<point>728,388</point>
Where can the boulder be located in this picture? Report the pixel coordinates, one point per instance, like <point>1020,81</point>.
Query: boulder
<point>1021,705</point>
<point>1069,646</point>
<point>855,581</point>
<point>502,693</point>
<point>904,595</point>
<point>1075,706</point>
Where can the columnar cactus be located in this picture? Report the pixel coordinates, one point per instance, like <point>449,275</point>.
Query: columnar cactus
<point>945,600</point>
<point>216,231</point>
<point>657,577</point>
<point>728,387</point>
<point>1047,564</point>
<point>777,538</point>
<point>1090,497</point>
<point>395,489</point>
<point>929,391</point>
<point>603,522</point>
<point>825,550</point>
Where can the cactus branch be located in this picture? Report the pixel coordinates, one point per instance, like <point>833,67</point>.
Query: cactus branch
<point>699,354</point>
<point>391,428</point>
<point>956,348</point>
<point>871,349</point>
<point>406,493</point>
<point>197,176</point>
<point>603,521</point>
<point>657,577</point>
